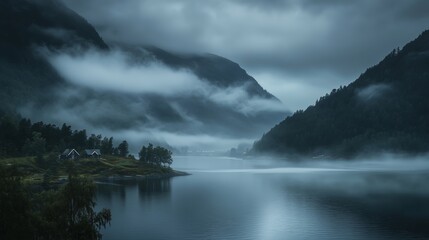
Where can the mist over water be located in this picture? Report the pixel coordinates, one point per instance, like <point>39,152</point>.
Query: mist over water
<point>229,198</point>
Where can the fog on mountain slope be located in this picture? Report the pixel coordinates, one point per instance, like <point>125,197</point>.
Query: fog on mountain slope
<point>384,110</point>
<point>70,75</point>
<point>309,45</point>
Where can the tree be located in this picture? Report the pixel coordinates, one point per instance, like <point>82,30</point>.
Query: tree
<point>64,214</point>
<point>15,215</point>
<point>66,132</point>
<point>24,128</point>
<point>79,139</point>
<point>94,141</point>
<point>9,137</point>
<point>146,154</point>
<point>149,154</point>
<point>167,158</point>
<point>157,156</point>
<point>106,146</point>
<point>143,154</point>
<point>35,146</point>
<point>81,221</point>
<point>69,212</point>
<point>123,149</point>
<point>163,156</point>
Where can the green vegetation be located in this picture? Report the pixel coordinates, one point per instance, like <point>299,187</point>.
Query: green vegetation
<point>19,137</point>
<point>53,170</point>
<point>34,149</point>
<point>43,196</point>
<point>385,109</point>
<point>157,156</point>
<point>123,149</point>
<point>66,212</point>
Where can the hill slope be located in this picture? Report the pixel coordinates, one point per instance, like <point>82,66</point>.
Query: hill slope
<point>33,85</point>
<point>385,109</point>
<point>26,25</point>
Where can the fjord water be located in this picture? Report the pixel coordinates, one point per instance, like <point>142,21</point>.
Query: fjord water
<point>229,198</point>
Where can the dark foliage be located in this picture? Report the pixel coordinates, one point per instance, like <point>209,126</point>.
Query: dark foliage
<point>155,155</point>
<point>123,149</point>
<point>15,209</point>
<point>19,137</point>
<point>385,109</point>
<point>65,213</point>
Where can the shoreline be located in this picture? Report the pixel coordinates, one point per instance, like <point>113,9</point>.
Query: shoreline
<point>174,173</point>
<point>108,179</point>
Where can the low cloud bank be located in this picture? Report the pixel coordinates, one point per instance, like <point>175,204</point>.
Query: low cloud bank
<point>117,71</point>
<point>296,37</point>
<point>140,99</point>
<point>373,92</point>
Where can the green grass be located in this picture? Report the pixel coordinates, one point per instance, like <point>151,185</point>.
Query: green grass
<point>106,166</point>
<point>20,162</point>
<point>26,166</point>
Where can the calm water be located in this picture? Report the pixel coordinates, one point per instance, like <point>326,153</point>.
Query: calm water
<point>228,198</point>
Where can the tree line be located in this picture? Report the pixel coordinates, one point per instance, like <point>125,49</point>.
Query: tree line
<point>50,210</point>
<point>20,137</point>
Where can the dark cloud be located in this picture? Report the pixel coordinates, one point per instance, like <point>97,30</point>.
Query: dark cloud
<point>298,40</point>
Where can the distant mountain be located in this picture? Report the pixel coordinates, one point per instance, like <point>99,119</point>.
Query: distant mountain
<point>31,85</point>
<point>385,110</point>
<point>217,70</point>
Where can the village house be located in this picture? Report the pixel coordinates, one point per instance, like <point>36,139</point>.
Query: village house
<point>70,154</point>
<point>92,153</point>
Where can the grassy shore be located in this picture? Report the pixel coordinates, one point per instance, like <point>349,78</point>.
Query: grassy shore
<point>104,167</point>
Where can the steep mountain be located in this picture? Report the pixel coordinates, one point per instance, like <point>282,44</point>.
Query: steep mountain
<point>217,70</point>
<point>26,25</point>
<point>44,22</point>
<point>32,30</point>
<point>385,110</point>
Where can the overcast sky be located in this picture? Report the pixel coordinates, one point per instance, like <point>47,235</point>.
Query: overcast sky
<point>296,49</point>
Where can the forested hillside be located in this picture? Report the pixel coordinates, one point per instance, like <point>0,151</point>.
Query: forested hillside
<point>385,110</point>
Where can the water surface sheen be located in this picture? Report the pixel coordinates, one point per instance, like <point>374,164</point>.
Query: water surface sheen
<point>228,198</point>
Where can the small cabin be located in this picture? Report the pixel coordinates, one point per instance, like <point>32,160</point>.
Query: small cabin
<point>92,153</point>
<point>70,154</point>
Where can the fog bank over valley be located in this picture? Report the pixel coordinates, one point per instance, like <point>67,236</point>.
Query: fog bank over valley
<point>135,96</point>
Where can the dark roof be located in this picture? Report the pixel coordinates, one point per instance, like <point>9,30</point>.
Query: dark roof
<point>92,151</point>
<point>68,151</point>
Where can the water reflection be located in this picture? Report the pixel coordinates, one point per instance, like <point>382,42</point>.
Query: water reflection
<point>232,199</point>
<point>109,190</point>
<point>154,187</point>
<point>391,202</point>
<point>147,187</point>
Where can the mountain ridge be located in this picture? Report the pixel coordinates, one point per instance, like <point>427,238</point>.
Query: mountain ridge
<point>385,110</point>
<point>34,26</point>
